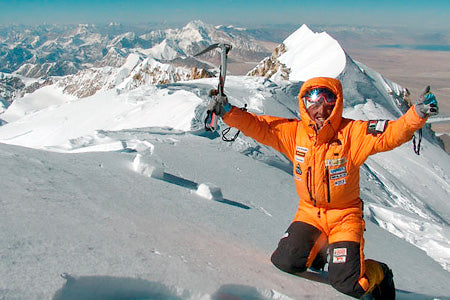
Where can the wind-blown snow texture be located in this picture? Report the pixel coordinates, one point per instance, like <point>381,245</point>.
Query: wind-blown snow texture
<point>122,195</point>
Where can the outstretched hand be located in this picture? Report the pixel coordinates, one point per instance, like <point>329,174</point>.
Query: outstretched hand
<point>427,104</point>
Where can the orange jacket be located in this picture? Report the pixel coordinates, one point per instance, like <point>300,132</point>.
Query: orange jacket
<point>326,162</point>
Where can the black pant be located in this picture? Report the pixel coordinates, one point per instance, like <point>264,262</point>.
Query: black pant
<point>344,267</point>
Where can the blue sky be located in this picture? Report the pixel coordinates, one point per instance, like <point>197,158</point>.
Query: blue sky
<point>411,13</point>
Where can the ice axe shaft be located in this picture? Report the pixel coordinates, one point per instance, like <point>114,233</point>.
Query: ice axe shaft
<point>212,118</point>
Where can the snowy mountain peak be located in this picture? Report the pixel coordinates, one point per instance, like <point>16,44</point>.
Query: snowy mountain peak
<point>303,55</point>
<point>84,29</point>
<point>195,25</point>
<point>302,32</point>
<point>114,58</point>
<point>195,31</point>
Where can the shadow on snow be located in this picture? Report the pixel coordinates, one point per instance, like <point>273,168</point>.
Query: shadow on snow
<point>189,184</point>
<point>116,288</point>
<point>112,288</point>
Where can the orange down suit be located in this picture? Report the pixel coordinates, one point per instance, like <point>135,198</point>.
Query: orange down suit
<point>326,162</point>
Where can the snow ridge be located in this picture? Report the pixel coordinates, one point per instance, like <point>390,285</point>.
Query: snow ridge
<point>304,55</point>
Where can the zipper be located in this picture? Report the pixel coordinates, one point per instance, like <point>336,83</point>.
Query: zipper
<point>327,179</point>
<point>308,185</point>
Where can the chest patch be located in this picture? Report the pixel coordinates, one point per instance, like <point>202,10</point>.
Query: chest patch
<point>337,171</point>
<point>300,153</point>
<point>298,172</point>
<point>335,162</point>
<point>340,182</point>
<point>376,126</point>
<point>339,175</point>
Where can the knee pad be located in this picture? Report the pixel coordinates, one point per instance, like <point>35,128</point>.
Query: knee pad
<point>295,247</point>
<point>288,263</point>
<point>344,268</point>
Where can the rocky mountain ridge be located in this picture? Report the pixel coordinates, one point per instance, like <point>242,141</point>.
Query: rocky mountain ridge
<point>86,58</point>
<point>58,51</point>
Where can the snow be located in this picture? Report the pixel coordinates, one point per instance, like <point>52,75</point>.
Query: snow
<point>429,236</point>
<point>163,51</point>
<point>75,124</point>
<point>44,98</point>
<point>123,195</point>
<point>141,166</point>
<point>309,54</point>
<point>209,191</point>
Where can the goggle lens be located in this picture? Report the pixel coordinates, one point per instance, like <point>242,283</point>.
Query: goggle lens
<point>317,95</point>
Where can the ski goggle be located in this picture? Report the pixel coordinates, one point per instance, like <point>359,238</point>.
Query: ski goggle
<point>319,95</point>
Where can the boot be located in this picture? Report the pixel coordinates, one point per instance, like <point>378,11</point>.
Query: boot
<point>384,289</point>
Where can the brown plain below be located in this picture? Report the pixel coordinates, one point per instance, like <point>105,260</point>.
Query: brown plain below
<point>414,69</point>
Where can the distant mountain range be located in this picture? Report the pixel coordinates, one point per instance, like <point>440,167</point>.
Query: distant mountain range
<point>58,51</point>
<point>85,58</point>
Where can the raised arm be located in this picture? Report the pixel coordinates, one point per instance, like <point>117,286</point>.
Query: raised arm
<point>278,133</point>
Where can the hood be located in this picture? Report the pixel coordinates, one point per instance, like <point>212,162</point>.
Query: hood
<point>331,125</point>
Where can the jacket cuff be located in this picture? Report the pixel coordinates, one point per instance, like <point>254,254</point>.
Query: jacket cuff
<point>227,107</point>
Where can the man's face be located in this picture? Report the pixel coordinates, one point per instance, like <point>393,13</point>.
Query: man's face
<point>319,102</point>
<point>319,112</point>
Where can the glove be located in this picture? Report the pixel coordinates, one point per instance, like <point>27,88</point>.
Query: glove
<point>427,104</point>
<point>219,103</point>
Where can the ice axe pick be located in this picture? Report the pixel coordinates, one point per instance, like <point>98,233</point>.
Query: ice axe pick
<point>211,117</point>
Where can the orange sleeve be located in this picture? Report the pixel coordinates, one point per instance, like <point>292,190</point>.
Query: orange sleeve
<point>396,133</point>
<point>278,133</point>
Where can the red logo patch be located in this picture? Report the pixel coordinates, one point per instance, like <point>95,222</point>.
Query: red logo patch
<point>339,255</point>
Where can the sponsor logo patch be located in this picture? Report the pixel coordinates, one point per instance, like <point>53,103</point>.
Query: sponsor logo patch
<point>298,170</point>
<point>302,149</point>
<point>336,162</point>
<point>300,154</point>
<point>337,176</point>
<point>340,182</point>
<point>300,159</point>
<point>337,171</point>
<point>376,126</point>
<point>339,255</point>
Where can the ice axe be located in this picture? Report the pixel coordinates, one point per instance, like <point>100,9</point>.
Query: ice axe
<point>211,117</point>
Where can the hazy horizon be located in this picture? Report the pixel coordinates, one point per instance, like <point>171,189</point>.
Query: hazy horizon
<point>427,15</point>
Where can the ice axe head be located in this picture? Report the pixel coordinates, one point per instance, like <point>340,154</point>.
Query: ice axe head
<point>224,49</point>
<point>212,118</point>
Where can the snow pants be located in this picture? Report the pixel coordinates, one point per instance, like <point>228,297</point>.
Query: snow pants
<point>298,248</point>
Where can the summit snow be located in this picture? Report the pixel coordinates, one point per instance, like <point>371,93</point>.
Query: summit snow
<point>122,189</point>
